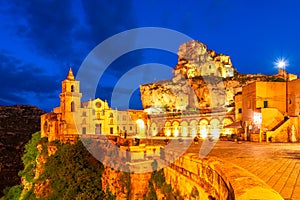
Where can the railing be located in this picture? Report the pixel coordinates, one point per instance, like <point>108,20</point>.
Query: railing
<point>279,124</point>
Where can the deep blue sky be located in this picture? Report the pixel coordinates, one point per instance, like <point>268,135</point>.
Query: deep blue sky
<point>40,40</point>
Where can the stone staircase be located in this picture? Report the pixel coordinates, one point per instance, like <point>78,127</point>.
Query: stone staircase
<point>279,124</point>
<point>280,132</point>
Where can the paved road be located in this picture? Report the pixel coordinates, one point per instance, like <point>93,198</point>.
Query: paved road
<point>276,164</point>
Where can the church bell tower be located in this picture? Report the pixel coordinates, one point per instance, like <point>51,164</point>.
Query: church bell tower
<point>70,102</point>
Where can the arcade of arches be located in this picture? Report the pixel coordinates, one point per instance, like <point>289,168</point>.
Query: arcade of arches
<point>203,127</point>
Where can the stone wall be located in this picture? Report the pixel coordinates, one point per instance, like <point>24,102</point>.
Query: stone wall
<point>214,177</point>
<point>125,185</point>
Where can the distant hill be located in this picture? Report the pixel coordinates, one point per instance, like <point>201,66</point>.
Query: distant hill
<point>17,124</point>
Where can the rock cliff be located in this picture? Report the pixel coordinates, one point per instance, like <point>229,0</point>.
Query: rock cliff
<point>17,124</point>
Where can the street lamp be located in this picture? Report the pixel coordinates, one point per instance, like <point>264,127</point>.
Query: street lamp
<point>282,63</point>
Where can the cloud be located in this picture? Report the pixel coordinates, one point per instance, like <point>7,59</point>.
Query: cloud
<point>21,82</point>
<point>66,31</point>
<point>46,24</point>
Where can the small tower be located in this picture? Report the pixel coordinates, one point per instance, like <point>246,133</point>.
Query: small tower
<point>70,102</point>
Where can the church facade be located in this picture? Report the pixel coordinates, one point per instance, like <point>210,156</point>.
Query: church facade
<point>93,117</point>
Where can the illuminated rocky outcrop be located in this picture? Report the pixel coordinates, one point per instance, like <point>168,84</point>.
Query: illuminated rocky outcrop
<point>198,76</point>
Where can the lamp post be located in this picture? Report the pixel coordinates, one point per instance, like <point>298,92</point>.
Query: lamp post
<point>282,64</point>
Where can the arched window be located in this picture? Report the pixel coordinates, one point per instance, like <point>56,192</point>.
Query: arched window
<point>72,106</point>
<point>72,88</point>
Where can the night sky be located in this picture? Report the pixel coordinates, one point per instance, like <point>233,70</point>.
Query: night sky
<point>41,40</point>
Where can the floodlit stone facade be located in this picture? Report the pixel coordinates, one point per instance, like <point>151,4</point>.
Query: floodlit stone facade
<point>195,60</point>
<point>270,111</point>
<point>93,117</point>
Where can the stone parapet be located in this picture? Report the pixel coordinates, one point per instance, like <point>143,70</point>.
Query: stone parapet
<point>216,178</point>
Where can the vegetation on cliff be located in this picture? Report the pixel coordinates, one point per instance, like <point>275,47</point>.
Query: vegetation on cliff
<point>71,173</point>
<point>159,188</point>
<point>28,173</point>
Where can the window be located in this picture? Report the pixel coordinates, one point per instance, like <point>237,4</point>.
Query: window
<point>93,112</point>
<point>84,114</point>
<point>111,121</point>
<point>265,104</point>
<point>124,117</point>
<point>111,115</point>
<point>72,106</point>
<point>124,128</point>
<point>130,128</point>
<point>98,104</point>
<point>72,88</point>
<point>240,111</point>
<point>83,130</point>
<point>98,116</point>
<point>111,130</point>
<point>83,121</point>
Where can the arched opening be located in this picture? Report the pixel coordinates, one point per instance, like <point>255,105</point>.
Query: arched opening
<point>203,127</point>
<point>153,129</point>
<point>167,129</point>
<point>72,88</point>
<point>72,106</point>
<point>193,125</point>
<point>215,128</point>
<point>175,127</point>
<point>140,127</point>
<point>184,129</point>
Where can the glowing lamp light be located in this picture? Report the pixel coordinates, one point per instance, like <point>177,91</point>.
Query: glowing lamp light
<point>154,132</point>
<point>228,131</point>
<point>168,133</point>
<point>141,123</point>
<point>257,118</point>
<point>281,63</point>
<point>184,131</point>
<point>176,133</point>
<point>203,133</point>
<point>194,131</point>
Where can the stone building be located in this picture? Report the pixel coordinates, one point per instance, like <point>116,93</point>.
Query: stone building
<point>270,111</point>
<point>94,117</point>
